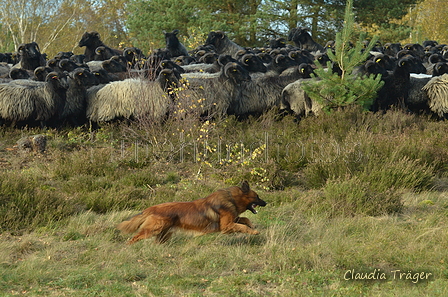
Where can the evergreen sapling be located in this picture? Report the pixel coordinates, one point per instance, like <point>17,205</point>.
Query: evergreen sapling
<point>335,90</point>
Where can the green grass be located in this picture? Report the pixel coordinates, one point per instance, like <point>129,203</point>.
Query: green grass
<point>350,191</point>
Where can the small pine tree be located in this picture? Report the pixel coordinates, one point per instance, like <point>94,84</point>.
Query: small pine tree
<point>333,91</point>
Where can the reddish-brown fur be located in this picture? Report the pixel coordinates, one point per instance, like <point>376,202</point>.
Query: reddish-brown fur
<point>218,212</point>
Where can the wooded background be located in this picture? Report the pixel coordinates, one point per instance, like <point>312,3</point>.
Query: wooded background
<point>57,25</point>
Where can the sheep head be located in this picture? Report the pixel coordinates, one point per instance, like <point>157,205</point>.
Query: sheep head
<point>236,73</point>
<point>253,63</point>
<point>57,80</point>
<point>214,38</point>
<point>83,77</point>
<point>299,35</point>
<point>90,39</point>
<point>171,39</point>
<point>29,50</point>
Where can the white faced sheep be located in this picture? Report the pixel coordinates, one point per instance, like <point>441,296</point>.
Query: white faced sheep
<point>33,102</point>
<point>303,40</point>
<point>173,45</point>
<point>223,45</point>
<point>92,40</point>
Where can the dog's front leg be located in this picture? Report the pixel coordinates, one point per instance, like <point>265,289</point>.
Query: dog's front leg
<point>244,221</point>
<point>228,224</point>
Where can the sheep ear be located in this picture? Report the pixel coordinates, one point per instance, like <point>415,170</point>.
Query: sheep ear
<point>175,31</point>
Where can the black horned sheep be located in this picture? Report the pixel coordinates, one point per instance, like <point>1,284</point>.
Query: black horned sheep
<point>30,56</point>
<point>74,112</point>
<point>391,49</point>
<point>303,40</point>
<point>222,44</point>
<point>173,45</point>
<point>92,40</point>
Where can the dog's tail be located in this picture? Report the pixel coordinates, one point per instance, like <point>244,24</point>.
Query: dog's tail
<point>131,225</point>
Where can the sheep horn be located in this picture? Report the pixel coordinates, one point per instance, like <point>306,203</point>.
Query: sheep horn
<point>245,59</point>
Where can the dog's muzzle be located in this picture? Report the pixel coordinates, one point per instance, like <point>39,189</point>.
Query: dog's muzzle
<point>252,206</point>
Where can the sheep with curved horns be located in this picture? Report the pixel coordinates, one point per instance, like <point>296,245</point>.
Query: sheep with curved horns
<point>30,56</point>
<point>173,45</point>
<point>92,40</point>
<point>222,43</point>
<point>103,53</point>
<point>33,102</point>
<point>78,81</point>
<point>437,91</point>
<point>132,98</point>
<point>252,63</point>
<point>303,40</point>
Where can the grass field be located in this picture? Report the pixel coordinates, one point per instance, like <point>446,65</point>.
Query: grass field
<point>357,206</point>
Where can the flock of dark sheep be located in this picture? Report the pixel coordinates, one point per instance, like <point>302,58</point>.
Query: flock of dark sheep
<point>217,78</point>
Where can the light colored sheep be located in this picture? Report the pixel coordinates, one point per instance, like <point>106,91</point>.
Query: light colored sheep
<point>262,93</point>
<point>437,91</point>
<point>127,99</point>
<point>296,100</point>
<point>32,101</point>
<point>211,95</point>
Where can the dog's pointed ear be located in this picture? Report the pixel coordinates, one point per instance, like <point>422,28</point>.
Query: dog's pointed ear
<point>245,187</point>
